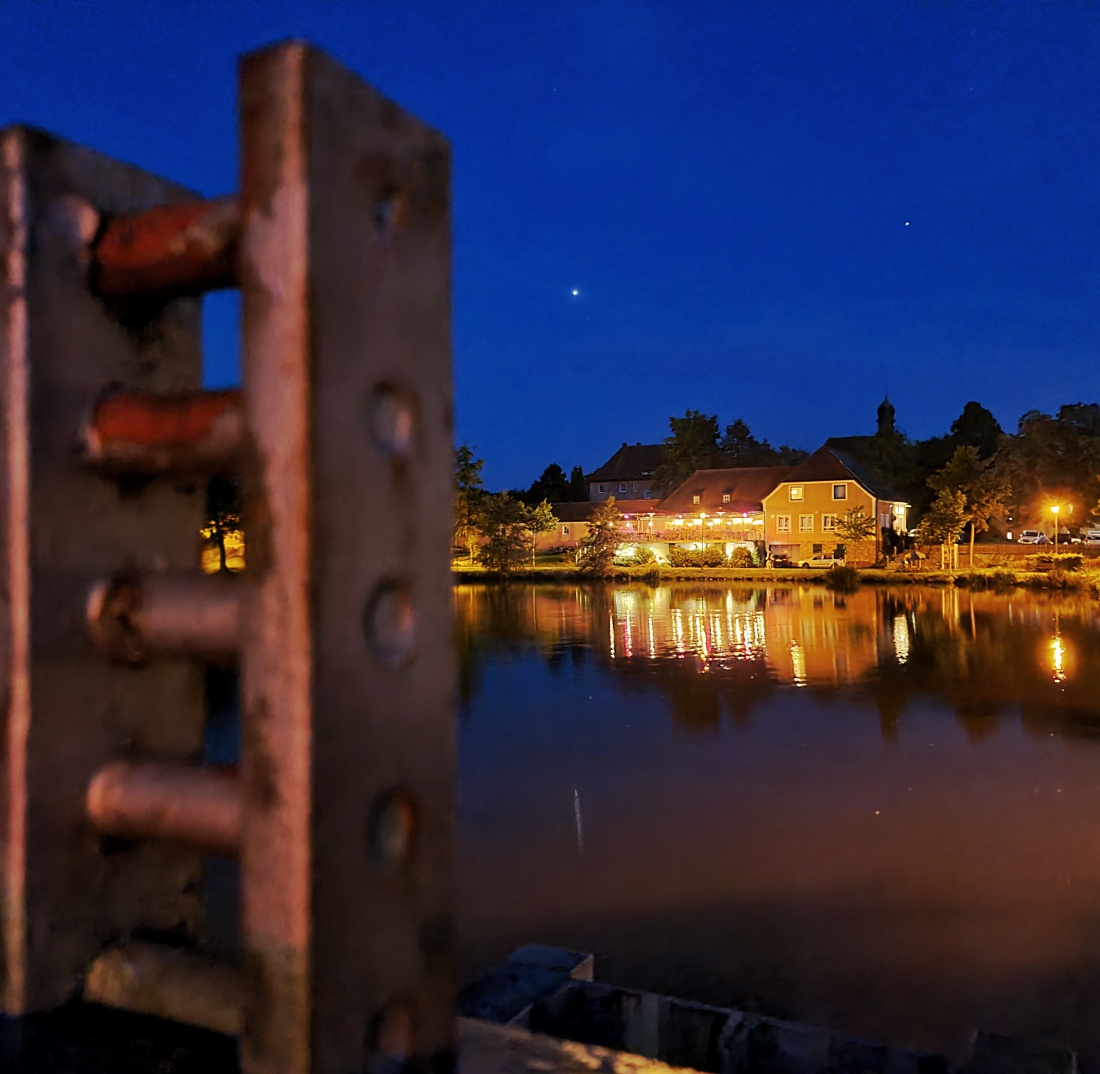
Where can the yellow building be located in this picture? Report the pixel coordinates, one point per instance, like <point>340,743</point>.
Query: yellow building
<point>802,512</point>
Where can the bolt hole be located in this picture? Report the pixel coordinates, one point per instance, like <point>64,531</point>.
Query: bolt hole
<point>390,211</point>
<point>392,828</point>
<point>390,622</point>
<point>393,421</point>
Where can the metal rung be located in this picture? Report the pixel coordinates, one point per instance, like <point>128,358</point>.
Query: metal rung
<point>187,433</point>
<point>169,983</point>
<point>169,802</point>
<point>173,250</point>
<point>132,616</point>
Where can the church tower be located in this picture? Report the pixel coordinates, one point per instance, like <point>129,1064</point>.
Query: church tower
<point>886,417</point>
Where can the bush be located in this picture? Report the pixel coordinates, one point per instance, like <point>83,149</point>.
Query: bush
<point>640,557</point>
<point>1002,579</point>
<point>712,556</point>
<point>742,557</point>
<point>1067,561</point>
<point>1060,578</point>
<point>842,579</point>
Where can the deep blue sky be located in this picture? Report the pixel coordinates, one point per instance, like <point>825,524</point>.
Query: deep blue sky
<point>727,184</point>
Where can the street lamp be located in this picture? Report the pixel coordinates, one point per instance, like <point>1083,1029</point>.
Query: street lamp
<point>1054,509</point>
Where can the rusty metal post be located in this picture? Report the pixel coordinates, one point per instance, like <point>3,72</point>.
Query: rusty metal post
<point>347,683</point>
<point>66,711</point>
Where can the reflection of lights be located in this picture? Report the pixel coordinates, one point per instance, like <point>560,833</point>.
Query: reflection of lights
<point>652,647</point>
<point>1058,658</point>
<point>798,664</point>
<point>628,637</point>
<point>678,629</point>
<point>611,634</point>
<point>901,638</point>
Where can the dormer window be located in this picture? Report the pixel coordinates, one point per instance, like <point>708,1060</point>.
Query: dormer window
<point>695,498</point>
<point>725,497</point>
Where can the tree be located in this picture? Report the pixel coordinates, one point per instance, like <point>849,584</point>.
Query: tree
<point>578,487</point>
<point>1053,459</point>
<point>223,514</point>
<point>692,446</point>
<point>944,521</point>
<point>553,486</point>
<point>984,488</point>
<point>469,494</point>
<point>539,519</point>
<point>598,547</point>
<point>977,428</point>
<point>791,456</point>
<point>505,538</point>
<point>855,525</point>
<point>738,447</point>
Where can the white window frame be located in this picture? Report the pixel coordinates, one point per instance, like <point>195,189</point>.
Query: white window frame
<point>797,492</point>
<point>622,486</point>
<point>600,488</point>
<point>805,523</point>
<point>782,523</point>
<point>725,497</point>
<point>695,498</point>
<point>843,486</point>
<point>828,523</point>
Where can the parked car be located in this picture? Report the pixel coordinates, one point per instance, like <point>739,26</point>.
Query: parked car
<point>824,560</point>
<point>1092,537</point>
<point>1033,537</point>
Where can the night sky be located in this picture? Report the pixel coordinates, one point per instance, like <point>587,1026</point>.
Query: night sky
<point>776,211</point>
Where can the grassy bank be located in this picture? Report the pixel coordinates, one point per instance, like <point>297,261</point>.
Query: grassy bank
<point>1085,580</point>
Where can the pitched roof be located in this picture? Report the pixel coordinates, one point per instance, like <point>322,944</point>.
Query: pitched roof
<point>746,487</point>
<point>581,511</point>
<point>630,462</point>
<point>830,464</point>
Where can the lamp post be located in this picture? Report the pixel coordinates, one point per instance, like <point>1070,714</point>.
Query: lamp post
<point>1054,509</point>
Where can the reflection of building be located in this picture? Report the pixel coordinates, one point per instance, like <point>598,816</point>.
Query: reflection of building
<point>804,636</point>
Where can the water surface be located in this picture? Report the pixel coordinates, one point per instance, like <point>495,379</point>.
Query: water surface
<point>879,812</point>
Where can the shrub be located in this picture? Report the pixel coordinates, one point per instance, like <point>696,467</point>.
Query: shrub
<point>741,557</point>
<point>1002,579</point>
<point>712,556</point>
<point>842,579</point>
<point>1068,561</point>
<point>1060,578</point>
<point>640,557</point>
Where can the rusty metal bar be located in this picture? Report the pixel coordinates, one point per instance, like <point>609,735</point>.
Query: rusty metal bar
<point>176,803</point>
<point>67,711</point>
<point>139,433</point>
<point>168,983</point>
<point>347,671</point>
<point>168,251</point>
<point>131,616</point>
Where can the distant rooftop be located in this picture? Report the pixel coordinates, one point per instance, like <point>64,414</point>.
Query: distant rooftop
<point>629,463</point>
<point>746,487</point>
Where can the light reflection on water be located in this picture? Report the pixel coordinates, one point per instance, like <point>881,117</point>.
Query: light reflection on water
<point>879,812</point>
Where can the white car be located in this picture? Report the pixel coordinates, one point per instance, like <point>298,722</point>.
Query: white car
<point>1092,537</point>
<point>824,560</point>
<point>1033,537</point>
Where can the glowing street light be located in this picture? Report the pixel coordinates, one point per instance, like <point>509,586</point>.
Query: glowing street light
<point>1054,509</point>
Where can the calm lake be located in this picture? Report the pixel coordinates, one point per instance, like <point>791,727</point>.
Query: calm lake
<point>877,812</point>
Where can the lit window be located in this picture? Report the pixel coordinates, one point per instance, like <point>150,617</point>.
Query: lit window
<point>805,523</point>
<point>828,523</point>
<point>600,488</point>
<point>725,497</point>
<point>565,531</point>
<point>796,492</point>
<point>840,492</point>
<point>782,523</point>
<point>695,498</point>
